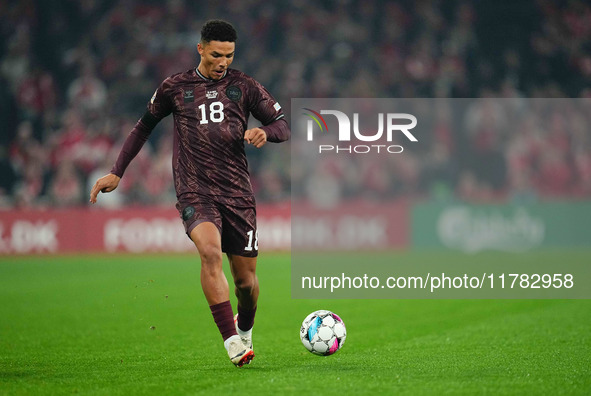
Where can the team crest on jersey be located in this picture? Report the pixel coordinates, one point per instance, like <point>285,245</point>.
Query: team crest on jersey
<point>211,94</point>
<point>233,93</point>
<point>188,212</point>
<point>188,96</point>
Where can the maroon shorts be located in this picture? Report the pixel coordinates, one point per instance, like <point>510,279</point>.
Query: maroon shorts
<point>235,218</point>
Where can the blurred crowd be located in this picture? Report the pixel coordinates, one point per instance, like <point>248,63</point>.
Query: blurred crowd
<point>75,76</point>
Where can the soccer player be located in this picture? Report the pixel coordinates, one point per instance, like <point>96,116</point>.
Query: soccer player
<point>211,105</point>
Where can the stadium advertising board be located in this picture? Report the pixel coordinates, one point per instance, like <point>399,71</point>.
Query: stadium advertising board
<point>156,229</point>
<point>506,228</point>
<point>133,230</point>
<point>351,226</point>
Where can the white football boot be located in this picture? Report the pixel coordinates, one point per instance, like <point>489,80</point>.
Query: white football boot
<point>245,336</point>
<point>238,353</point>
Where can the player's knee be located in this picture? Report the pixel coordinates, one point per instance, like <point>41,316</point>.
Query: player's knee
<point>246,284</point>
<point>211,256</point>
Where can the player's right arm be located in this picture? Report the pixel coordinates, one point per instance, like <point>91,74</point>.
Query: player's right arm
<point>105,184</point>
<point>159,107</point>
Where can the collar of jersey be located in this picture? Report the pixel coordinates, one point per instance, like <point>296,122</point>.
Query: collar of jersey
<point>210,79</point>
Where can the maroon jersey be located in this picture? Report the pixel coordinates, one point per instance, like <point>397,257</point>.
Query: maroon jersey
<point>210,117</point>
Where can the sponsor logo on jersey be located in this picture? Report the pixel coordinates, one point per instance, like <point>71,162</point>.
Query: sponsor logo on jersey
<point>188,96</point>
<point>233,93</point>
<point>211,94</point>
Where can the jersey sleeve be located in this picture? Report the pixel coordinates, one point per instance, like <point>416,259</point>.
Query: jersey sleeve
<point>159,107</point>
<point>262,105</point>
<point>269,112</point>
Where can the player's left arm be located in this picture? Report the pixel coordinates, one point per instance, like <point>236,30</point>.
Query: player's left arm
<point>275,132</point>
<point>268,111</point>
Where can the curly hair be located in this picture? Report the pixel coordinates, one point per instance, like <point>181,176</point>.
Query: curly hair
<point>216,29</point>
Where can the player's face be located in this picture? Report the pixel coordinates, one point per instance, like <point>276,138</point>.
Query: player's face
<point>216,57</point>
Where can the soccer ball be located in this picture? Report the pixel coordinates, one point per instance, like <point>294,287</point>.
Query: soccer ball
<point>323,332</point>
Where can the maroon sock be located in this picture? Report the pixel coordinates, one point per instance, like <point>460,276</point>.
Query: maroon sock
<point>246,318</point>
<point>224,318</point>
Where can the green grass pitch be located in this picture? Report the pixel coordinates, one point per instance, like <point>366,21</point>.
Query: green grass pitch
<point>125,324</point>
